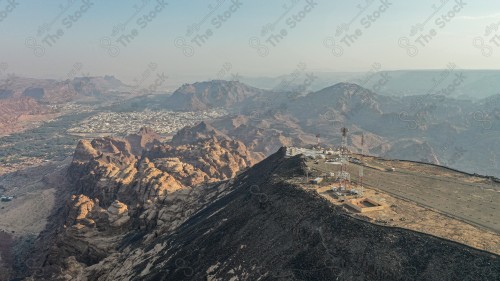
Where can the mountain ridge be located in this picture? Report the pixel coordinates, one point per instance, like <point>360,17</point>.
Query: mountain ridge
<point>421,119</point>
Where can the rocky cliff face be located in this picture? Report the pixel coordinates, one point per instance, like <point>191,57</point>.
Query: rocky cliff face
<point>135,187</point>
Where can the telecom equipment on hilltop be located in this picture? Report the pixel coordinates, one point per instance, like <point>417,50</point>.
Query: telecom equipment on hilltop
<point>343,147</point>
<point>344,159</point>
<point>361,174</point>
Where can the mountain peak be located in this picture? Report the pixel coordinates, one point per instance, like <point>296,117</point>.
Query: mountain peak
<point>211,94</point>
<point>346,86</point>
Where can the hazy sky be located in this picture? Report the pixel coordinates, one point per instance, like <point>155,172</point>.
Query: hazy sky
<point>47,38</point>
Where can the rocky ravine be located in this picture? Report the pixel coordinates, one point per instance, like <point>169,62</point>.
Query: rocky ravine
<point>133,189</point>
<point>172,214</point>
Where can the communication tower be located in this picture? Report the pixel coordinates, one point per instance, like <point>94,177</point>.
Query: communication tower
<point>361,173</point>
<point>344,159</point>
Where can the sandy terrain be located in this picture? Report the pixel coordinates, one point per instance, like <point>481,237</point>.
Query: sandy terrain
<point>25,122</point>
<point>22,219</point>
<point>28,213</point>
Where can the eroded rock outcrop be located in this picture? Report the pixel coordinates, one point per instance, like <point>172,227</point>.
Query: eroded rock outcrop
<point>139,188</point>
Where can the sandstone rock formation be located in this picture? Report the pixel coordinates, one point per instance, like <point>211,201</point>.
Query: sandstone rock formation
<point>138,188</point>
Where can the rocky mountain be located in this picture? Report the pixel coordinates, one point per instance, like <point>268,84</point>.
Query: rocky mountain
<point>26,102</point>
<point>211,94</point>
<point>193,134</point>
<point>176,215</point>
<point>143,140</point>
<point>12,109</point>
<point>52,91</point>
<point>474,84</point>
<point>121,190</point>
<point>39,89</point>
<point>262,135</point>
<point>295,120</point>
<point>259,136</point>
<point>432,127</point>
<point>16,113</point>
<point>106,87</point>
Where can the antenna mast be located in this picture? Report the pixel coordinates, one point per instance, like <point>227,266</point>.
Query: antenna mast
<point>361,173</point>
<point>345,178</point>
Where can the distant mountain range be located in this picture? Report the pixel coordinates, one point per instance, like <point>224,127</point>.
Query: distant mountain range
<point>434,128</point>
<point>474,84</point>
<point>438,125</point>
<point>25,101</point>
<point>53,91</point>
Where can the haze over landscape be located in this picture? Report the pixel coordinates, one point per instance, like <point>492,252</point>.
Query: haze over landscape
<point>249,140</point>
<point>86,26</point>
